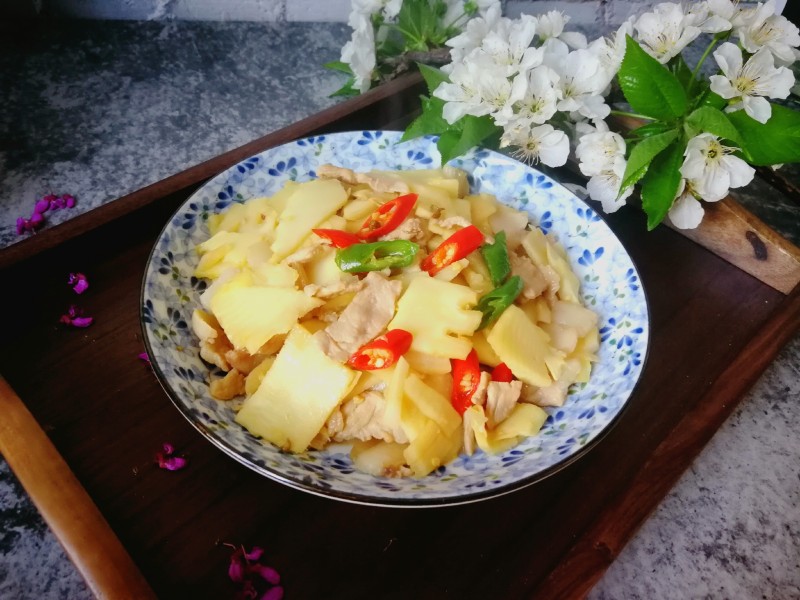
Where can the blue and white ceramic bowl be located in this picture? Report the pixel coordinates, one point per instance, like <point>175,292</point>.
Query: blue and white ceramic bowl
<point>610,286</point>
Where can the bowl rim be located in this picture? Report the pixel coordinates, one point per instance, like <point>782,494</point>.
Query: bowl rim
<point>366,499</point>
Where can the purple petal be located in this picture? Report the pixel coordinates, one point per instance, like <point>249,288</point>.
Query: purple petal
<point>144,357</point>
<point>73,311</point>
<point>255,554</point>
<point>69,200</point>
<point>82,321</point>
<point>41,206</point>
<point>236,571</point>
<point>50,197</point>
<point>275,593</point>
<point>36,220</point>
<point>169,449</point>
<point>78,282</point>
<point>21,226</point>
<point>172,463</point>
<point>268,574</point>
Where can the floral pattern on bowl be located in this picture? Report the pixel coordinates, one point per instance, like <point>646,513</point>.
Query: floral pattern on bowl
<point>610,285</point>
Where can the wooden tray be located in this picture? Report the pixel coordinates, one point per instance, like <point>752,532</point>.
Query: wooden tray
<point>91,417</point>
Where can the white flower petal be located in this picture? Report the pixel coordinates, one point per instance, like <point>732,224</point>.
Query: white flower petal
<point>554,147</point>
<point>722,86</point>
<point>740,172</point>
<point>686,212</point>
<point>729,59</point>
<point>713,185</point>
<point>757,107</point>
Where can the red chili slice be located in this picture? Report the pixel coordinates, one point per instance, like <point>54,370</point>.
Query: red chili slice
<point>382,352</point>
<point>502,373</point>
<point>337,238</point>
<point>466,376</point>
<point>387,218</point>
<point>457,246</point>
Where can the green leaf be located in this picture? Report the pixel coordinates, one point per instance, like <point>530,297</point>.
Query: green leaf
<point>660,185</point>
<point>429,122</point>
<point>650,129</point>
<point>643,154</point>
<point>347,90</point>
<point>713,100</point>
<point>710,120</point>
<point>338,65</point>
<point>648,86</point>
<point>432,76</point>
<point>775,142</point>
<point>417,21</point>
<point>474,130</point>
<point>681,70</point>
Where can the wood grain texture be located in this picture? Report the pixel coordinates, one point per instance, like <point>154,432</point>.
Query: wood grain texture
<point>77,523</point>
<point>106,415</point>
<point>732,232</point>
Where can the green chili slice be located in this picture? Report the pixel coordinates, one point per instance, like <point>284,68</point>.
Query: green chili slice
<point>500,298</point>
<point>496,257</point>
<point>376,256</point>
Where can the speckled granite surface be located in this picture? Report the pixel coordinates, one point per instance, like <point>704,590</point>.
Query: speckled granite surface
<point>101,109</point>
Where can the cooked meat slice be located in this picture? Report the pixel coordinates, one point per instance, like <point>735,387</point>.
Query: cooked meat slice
<point>228,387</point>
<point>341,173</point>
<point>501,397</point>
<point>410,229</point>
<point>377,181</point>
<point>556,393</point>
<point>362,418</point>
<point>243,361</point>
<point>333,426</point>
<point>451,222</point>
<point>343,286</point>
<point>364,318</point>
<point>533,281</point>
<point>304,254</point>
<point>479,397</point>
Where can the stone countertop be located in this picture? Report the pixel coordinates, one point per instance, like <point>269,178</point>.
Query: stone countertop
<point>100,109</point>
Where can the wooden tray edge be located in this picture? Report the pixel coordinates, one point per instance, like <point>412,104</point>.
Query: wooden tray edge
<point>591,555</point>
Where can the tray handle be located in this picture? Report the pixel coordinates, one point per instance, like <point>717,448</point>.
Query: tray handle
<point>67,508</point>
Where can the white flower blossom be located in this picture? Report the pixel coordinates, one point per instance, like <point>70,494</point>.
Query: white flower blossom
<point>604,187</point>
<point>686,211</point>
<point>601,156</point>
<point>665,32</point>
<point>611,50</point>
<point>534,97</point>
<point>551,26</point>
<point>762,28</point>
<point>537,143</point>
<point>711,16</point>
<point>599,149</point>
<point>750,82</point>
<point>581,81</point>
<point>509,45</point>
<point>712,170</point>
<point>359,53</point>
<point>472,36</point>
<point>476,88</point>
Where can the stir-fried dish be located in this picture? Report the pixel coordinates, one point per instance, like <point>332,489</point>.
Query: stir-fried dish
<point>393,311</point>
